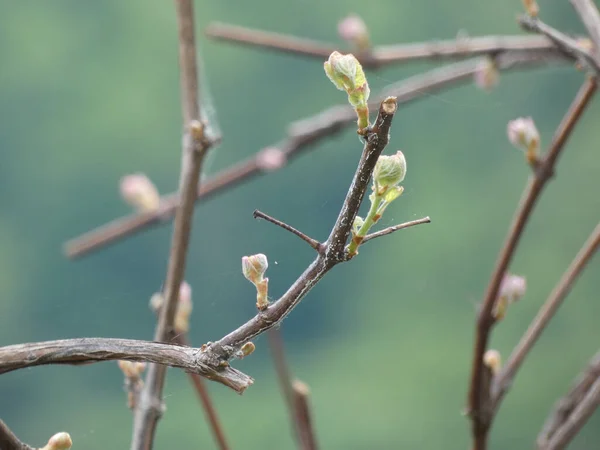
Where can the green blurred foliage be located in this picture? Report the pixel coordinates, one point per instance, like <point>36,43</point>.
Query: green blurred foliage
<point>90,92</point>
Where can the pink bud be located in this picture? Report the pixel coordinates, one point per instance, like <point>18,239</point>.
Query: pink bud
<point>270,159</point>
<point>523,133</point>
<point>513,287</point>
<point>354,30</point>
<point>139,192</point>
<point>486,76</point>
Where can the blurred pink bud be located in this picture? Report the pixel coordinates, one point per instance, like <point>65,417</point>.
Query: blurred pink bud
<point>270,159</point>
<point>513,287</point>
<point>522,133</point>
<point>140,192</point>
<point>492,359</point>
<point>131,369</point>
<point>184,308</point>
<point>354,30</point>
<point>486,76</point>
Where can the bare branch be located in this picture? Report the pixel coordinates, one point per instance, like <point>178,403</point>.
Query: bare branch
<point>571,411</point>
<point>588,12</point>
<point>301,135</point>
<point>90,350</point>
<point>394,228</point>
<point>479,412</point>
<point>9,441</point>
<point>380,56</point>
<point>195,147</point>
<point>310,241</point>
<point>565,43</point>
<point>207,403</point>
<point>306,430</point>
<point>546,312</point>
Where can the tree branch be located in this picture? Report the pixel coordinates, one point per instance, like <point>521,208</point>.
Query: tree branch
<point>195,147</point>
<point>90,350</point>
<point>9,441</point>
<point>394,228</point>
<point>307,435</point>
<point>479,412</point>
<point>505,379</point>
<point>310,241</point>
<point>573,409</point>
<point>588,12</point>
<point>382,55</point>
<point>301,135</point>
<point>565,43</point>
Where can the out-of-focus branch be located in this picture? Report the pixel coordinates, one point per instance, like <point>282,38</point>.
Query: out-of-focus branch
<point>306,432</point>
<point>505,378</point>
<point>464,47</point>
<point>302,135</point>
<point>573,410</point>
<point>9,441</point>
<point>195,147</point>
<point>90,350</point>
<point>588,12</point>
<point>207,403</point>
<point>481,412</point>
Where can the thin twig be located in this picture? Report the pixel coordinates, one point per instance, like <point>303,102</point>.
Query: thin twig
<point>377,57</point>
<point>479,412</point>
<point>588,12</point>
<point>90,350</point>
<point>565,43</point>
<point>195,147</point>
<point>207,403</point>
<point>301,135</point>
<point>545,314</point>
<point>394,228</point>
<point>310,241</point>
<point>566,406</point>
<point>306,430</point>
<point>9,441</point>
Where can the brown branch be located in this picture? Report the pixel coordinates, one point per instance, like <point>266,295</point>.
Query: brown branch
<point>376,140</point>
<point>301,135</point>
<point>306,431</point>
<point>545,314</point>
<point>310,241</point>
<point>573,409</point>
<point>479,412</point>
<point>394,228</point>
<point>207,403</point>
<point>9,441</point>
<point>195,147</point>
<point>565,43</point>
<point>383,55</point>
<point>90,350</point>
<point>588,12</point>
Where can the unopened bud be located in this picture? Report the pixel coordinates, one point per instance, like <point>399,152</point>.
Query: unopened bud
<point>131,369</point>
<point>389,170</point>
<point>354,30</point>
<point>60,441</point>
<point>486,75</point>
<point>139,192</point>
<point>522,133</point>
<point>513,287</point>
<point>531,7</point>
<point>254,267</point>
<point>270,159</point>
<point>492,359</point>
<point>184,308</point>
<point>357,224</point>
<point>346,73</point>
<point>247,349</point>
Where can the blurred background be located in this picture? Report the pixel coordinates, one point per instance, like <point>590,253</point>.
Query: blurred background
<point>90,91</point>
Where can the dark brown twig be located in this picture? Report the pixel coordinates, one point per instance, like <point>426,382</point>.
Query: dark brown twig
<point>90,350</point>
<point>207,403</point>
<point>588,12</point>
<point>571,411</point>
<point>545,314</point>
<point>562,41</point>
<point>9,441</point>
<point>310,241</point>
<point>301,135</point>
<point>195,147</point>
<point>479,412</point>
<point>394,228</point>
<point>306,432</point>
<point>380,56</point>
